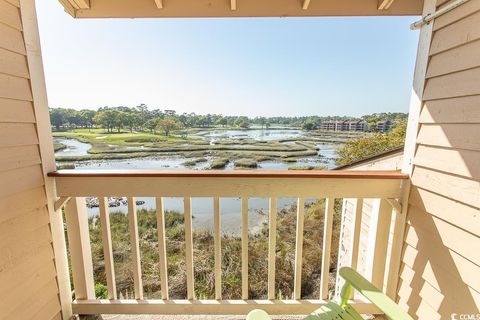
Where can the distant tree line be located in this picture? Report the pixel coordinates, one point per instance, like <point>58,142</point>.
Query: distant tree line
<point>141,119</point>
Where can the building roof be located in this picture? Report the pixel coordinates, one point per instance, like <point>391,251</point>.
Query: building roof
<point>398,150</point>
<point>237,8</point>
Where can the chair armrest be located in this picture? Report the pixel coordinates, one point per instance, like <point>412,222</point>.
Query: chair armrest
<point>258,314</point>
<point>372,293</point>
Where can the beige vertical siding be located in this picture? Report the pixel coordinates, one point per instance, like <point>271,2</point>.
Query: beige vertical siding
<point>28,286</point>
<point>441,257</point>
<point>389,161</point>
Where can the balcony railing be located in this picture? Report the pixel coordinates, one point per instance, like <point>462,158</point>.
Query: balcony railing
<point>73,186</point>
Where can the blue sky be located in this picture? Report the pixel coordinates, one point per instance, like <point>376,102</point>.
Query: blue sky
<point>254,67</point>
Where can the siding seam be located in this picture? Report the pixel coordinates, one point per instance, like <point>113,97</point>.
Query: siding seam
<point>443,147</point>
<point>455,21</point>
<point>10,26</point>
<point>12,51</point>
<point>449,174</point>
<point>14,75</point>
<point>446,221</point>
<point>454,46</point>
<point>453,72</point>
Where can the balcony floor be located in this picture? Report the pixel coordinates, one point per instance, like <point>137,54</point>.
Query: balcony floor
<point>197,317</point>
<point>170,317</point>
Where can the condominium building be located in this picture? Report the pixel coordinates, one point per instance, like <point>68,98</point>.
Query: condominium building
<point>345,125</point>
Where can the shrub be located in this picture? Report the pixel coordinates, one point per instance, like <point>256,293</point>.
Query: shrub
<point>65,166</point>
<point>101,291</point>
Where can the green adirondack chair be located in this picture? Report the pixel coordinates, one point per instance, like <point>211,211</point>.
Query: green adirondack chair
<point>342,310</point>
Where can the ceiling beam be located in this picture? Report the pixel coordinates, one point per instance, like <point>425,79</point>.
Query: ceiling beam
<point>68,7</point>
<point>159,4</point>
<point>305,4</point>
<point>384,4</point>
<point>233,4</point>
<point>82,4</point>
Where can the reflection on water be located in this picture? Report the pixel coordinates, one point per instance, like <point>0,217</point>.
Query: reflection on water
<point>74,147</point>
<point>328,152</point>
<point>154,163</point>
<point>257,134</point>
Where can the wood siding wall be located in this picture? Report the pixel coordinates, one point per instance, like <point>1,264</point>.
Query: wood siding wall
<point>441,257</point>
<point>28,286</point>
<point>388,162</point>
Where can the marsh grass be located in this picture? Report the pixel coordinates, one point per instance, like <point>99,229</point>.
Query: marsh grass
<point>194,162</point>
<point>245,163</point>
<point>112,156</point>
<point>219,163</point>
<point>128,145</point>
<point>204,259</point>
<point>58,146</point>
<point>65,166</point>
<point>307,168</point>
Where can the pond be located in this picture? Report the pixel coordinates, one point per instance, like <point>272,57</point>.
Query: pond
<point>254,134</point>
<point>74,147</point>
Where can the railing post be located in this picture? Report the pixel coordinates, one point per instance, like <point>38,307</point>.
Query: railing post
<point>107,247</point>
<point>272,242</point>
<point>397,243</point>
<point>187,205</point>
<point>378,241</point>
<point>162,249</point>
<point>297,286</point>
<point>327,243</point>
<point>357,229</point>
<point>342,256</point>
<point>350,231</point>
<point>135,247</point>
<point>244,248</point>
<point>218,248</point>
<point>80,252</point>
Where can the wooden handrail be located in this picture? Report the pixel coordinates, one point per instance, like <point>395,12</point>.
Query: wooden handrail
<point>232,174</point>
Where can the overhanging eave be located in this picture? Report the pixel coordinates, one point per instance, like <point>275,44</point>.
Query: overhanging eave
<point>240,8</point>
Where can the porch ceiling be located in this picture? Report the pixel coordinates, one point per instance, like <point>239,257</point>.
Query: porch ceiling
<point>238,8</point>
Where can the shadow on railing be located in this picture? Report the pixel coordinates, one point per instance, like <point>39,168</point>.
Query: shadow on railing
<point>388,187</point>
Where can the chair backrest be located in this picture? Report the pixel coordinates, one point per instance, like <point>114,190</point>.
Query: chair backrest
<point>354,280</point>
